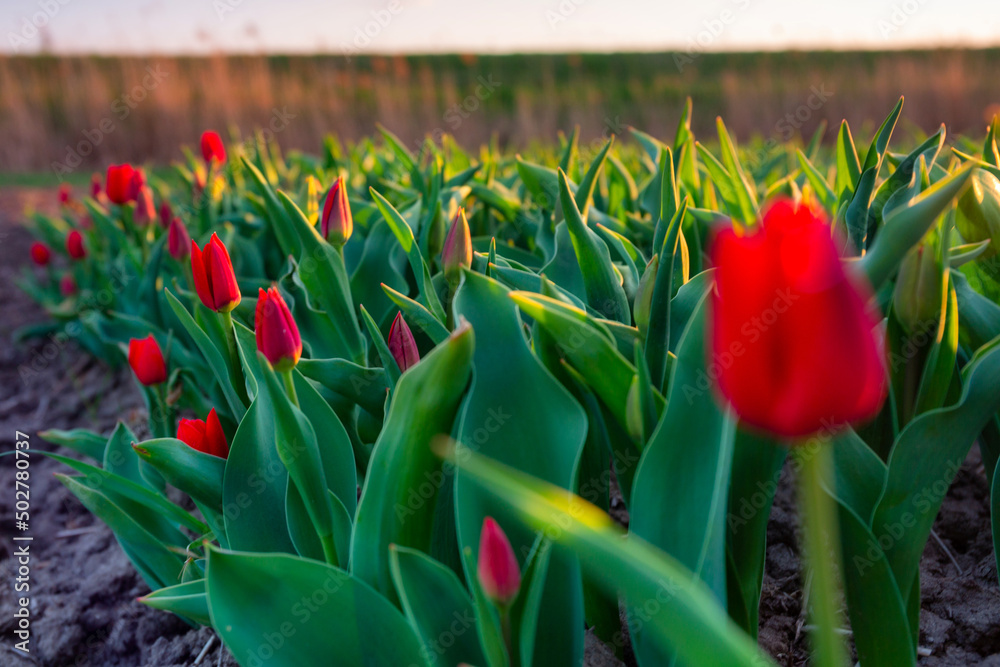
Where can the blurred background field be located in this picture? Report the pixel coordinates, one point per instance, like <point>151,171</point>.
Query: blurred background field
<point>63,116</point>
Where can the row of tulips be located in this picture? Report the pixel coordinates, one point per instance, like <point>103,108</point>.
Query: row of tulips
<point>410,401</point>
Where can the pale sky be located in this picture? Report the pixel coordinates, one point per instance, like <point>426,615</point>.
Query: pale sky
<point>425,26</point>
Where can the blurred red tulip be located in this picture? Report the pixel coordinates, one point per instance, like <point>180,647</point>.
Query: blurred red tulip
<point>40,253</point>
<point>146,360</point>
<point>337,224</point>
<point>402,346</point>
<point>119,185</point>
<point>178,240</point>
<point>204,435</point>
<point>277,334</point>
<point>214,279</point>
<point>497,570</point>
<point>95,185</point>
<point>212,147</point>
<point>145,211</point>
<point>65,193</point>
<point>166,214</point>
<point>793,341</point>
<point>67,285</point>
<point>74,245</point>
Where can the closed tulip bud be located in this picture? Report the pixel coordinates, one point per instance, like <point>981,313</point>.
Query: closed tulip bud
<point>402,346</point>
<point>95,185</point>
<point>67,285</point>
<point>277,334</point>
<point>146,360</point>
<point>136,184</point>
<point>40,253</point>
<point>457,250</point>
<point>337,223</point>
<point>178,240</point>
<point>74,245</point>
<point>166,214</point>
<point>214,278</point>
<point>206,435</point>
<point>918,297</point>
<point>791,334</point>
<point>498,571</point>
<point>212,148</point>
<point>119,183</point>
<point>978,216</point>
<point>643,304</point>
<point>145,211</point>
<point>65,194</point>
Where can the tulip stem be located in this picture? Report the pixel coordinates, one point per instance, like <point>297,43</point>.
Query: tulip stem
<point>160,421</point>
<point>236,368</point>
<point>820,541</point>
<point>290,386</point>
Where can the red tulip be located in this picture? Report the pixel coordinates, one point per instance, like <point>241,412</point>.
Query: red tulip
<point>402,346</point>
<point>178,240</point>
<point>67,285</point>
<point>119,186</point>
<point>498,571</point>
<point>457,250</point>
<point>146,360</point>
<point>337,223</point>
<point>166,214</point>
<point>145,211</point>
<point>95,185</point>
<point>277,334</point>
<point>74,245</point>
<point>214,279</point>
<point>65,193</point>
<point>793,343</point>
<point>204,435</point>
<point>40,253</point>
<point>212,147</point>
<point>136,184</point>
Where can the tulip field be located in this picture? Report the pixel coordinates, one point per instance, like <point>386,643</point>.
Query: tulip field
<point>436,405</point>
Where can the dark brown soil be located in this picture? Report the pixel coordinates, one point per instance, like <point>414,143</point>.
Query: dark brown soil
<point>83,588</point>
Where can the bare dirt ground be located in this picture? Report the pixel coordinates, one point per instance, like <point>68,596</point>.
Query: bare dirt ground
<point>83,588</point>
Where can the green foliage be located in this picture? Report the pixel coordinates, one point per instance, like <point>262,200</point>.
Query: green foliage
<point>570,358</point>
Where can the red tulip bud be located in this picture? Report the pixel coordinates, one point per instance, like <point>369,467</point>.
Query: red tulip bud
<point>178,240</point>
<point>67,285</point>
<point>791,333</point>
<point>145,212</point>
<point>337,223</point>
<point>277,334</point>
<point>74,245</point>
<point>40,253</point>
<point>401,343</point>
<point>95,185</point>
<point>65,193</point>
<point>212,147</point>
<point>136,184</point>
<point>457,251</point>
<point>498,571</point>
<point>214,279</point>
<point>119,186</point>
<point>146,360</point>
<point>166,214</point>
<point>205,436</point>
